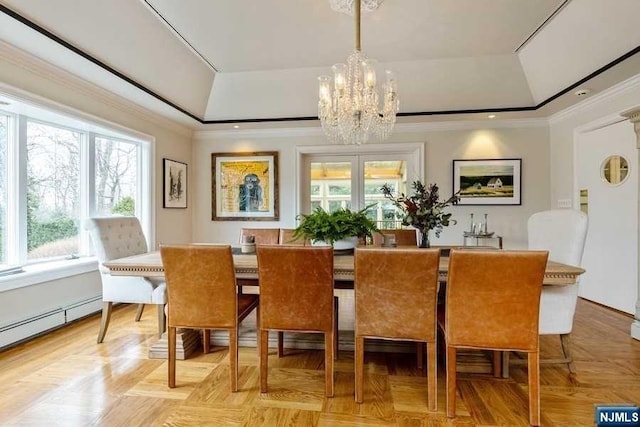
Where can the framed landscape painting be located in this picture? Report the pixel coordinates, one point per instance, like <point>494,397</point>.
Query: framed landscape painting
<point>244,186</point>
<point>488,182</point>
<point>175,184</point>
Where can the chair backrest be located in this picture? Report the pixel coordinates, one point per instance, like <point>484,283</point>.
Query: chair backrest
<point>263,236</point>
<point>286,238</point>
<point>493,299</point>
<point>395,293</point>
<point>562,232</point>
<point>296,288</point>
<point>201,285</point>
<point>404,237</point>
<point>116,237</point>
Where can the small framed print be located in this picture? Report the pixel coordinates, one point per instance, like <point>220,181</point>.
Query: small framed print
<point>244,186</point>
<point>488,182</point>
<point>175,184</point>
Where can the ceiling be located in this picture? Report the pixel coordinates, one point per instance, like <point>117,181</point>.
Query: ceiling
<point>212,61</point>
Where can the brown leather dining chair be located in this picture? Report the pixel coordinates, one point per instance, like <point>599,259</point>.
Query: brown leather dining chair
<point>263,236</point>
<point>395,296</point>
<point>286,238</point>
<point>493,302</point>
<point>404,237</point>
<point>201,291</point>
<point>296,294</point>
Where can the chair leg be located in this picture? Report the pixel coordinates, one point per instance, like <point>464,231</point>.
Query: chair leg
<point>206,341</point>
<point>264,357</point>
<point>432,376</point>
<point>139,312</point>
<point>497,363</point>
<point>451,381</point>
<point>505,364</point>
<point>566,350</point>
<point>359,362</point>
<point>329,354</point>
<point>171,335</point>
<point>104,322</point>
<point>233,358</point>
<point>420,355</point>
<point>534,388</point>
<point>280,343</point>
<point>336,332</point>
<point>161,320</point>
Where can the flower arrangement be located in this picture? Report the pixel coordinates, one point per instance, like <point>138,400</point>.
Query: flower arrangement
<point>423,209</point>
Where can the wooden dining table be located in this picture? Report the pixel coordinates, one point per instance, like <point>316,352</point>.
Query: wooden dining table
<point>246,265</point>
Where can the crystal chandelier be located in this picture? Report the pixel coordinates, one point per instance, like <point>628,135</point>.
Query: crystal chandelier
<point>349,113</point>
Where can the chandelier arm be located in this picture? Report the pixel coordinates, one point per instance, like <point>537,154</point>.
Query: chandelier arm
<point>356,13</point>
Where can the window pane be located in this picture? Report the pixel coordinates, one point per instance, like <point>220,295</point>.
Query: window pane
<point>4,134</point>
<point>378,173</point>
<point>331,185</point>
<point>116,177</point>
<point>53,201</point>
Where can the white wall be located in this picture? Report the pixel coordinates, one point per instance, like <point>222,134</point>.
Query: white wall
<point>526,140</point>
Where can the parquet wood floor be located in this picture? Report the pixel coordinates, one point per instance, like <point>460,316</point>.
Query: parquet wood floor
<point>65,379</point>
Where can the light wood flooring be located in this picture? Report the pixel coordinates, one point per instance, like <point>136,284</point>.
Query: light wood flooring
<point>64,378</point>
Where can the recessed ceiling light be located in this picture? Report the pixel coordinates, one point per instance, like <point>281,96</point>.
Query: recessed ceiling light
<point>492,116</point>
<point>236,126</point>
<point>582,92</point>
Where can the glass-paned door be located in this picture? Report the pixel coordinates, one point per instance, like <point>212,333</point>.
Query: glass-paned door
<point>376,174</point>
<point>354,182</point>
<point>331,183</point>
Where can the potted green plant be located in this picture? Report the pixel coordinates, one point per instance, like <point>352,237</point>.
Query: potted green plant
<point>341,228</point>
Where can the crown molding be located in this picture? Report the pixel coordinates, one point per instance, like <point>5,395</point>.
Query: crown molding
<point>400,128</point>
<point>67,80</point>
<point>614,91</point>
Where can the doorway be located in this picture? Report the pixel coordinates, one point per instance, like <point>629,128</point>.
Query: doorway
<point>606,172</point>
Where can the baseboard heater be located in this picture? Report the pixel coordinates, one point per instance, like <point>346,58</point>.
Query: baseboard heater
<point>24,329</point>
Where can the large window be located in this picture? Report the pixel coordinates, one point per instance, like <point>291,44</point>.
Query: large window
<point>55,171</point>
<point>4,136</point>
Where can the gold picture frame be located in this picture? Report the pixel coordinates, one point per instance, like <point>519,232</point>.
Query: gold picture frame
<point>244,186</point>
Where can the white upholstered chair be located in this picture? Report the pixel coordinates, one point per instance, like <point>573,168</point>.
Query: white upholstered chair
<point>562,232</point>
<point>118,237</point>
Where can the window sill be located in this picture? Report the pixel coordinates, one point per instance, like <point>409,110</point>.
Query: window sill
<point>45,272</point>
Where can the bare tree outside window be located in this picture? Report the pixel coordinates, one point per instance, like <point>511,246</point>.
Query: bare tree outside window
<point>116,177</point>
<point>53,201</point>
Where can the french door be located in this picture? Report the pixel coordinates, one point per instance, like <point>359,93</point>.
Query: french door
<point>354,180</point>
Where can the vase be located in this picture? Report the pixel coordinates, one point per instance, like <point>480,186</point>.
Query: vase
<point>423,239</point>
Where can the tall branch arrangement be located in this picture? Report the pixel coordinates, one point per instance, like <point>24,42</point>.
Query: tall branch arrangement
<point>422,209</point>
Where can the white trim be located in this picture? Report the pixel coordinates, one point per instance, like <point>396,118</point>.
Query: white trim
<point>46,272</point>
<point>399,128</point>
<point>632,83</point>
<point>31,63</point>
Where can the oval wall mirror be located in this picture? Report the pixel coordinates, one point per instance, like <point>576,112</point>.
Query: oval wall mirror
<point>615,169</point>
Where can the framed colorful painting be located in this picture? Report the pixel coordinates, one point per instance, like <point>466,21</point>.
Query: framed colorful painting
<point>244,186</point>
<point>488,182</point>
